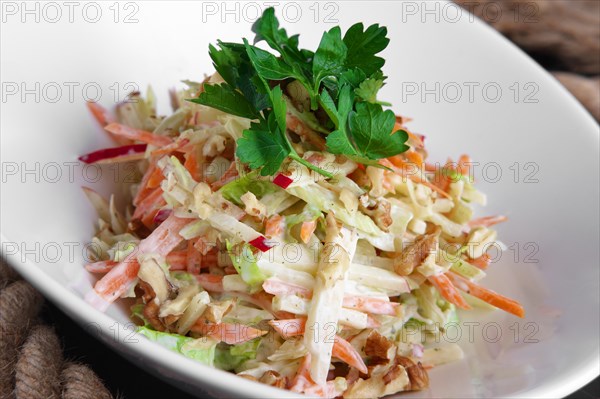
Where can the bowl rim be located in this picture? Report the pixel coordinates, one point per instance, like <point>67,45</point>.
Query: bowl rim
<point>80,311</point>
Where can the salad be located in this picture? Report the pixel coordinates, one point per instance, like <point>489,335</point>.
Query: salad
<point>286,226</point>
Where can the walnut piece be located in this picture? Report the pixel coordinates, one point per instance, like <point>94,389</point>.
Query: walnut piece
<point>415,253</point>
<point>419,379</point>
<point>379,347</point>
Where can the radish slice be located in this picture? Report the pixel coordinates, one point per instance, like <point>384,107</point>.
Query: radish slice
<point>124,153</point>
<point>261,244</point>
<point>283,181</point>
<point>162,215</point>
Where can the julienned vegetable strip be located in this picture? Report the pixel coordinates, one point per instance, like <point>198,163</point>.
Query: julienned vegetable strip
<point>126,153</point>
<point>448,291</point>
<point>489,296</point>
<point>282,221</point>
<point>137,134</point>
<point>328,295</point>
<point>162,241</point>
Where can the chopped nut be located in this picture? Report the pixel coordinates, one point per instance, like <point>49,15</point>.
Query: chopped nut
<point>380,384</point>
<point>170,319</point>
<point>378,346</point>
<point>389,375</point>
<point>369,388</point>
<point>419,379</point>
<point>380,213</point>
<point>415,253</point>
<point>150,312</point>
<point>253,206</point>
<point>396,380</point>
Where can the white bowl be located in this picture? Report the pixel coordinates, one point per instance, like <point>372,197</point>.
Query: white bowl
<point>543,142</point>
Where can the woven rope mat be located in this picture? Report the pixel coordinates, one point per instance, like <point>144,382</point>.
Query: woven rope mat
<point>31,359</point>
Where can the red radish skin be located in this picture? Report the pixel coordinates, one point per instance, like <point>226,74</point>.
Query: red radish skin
<point>162,215</point>
<point>115,154</point>
<point>282,181</point>
<point>261,244</point>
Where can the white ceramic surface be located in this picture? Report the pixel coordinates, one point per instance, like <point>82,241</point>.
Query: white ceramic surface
<point>552,202</point>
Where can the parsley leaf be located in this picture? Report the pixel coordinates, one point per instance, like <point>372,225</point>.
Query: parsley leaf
<point>330,56</point>
<point>223,97</point>
<point>262,149</point>
<point>267,65</point>
<point>279,108</point>
<point>371,129</point>
<point>233,64</point>
<point>363,47</point>
<point>369,137</point>
<point>342,77</point>
<point>352,77</point>
<point>368,88</point>
<point>267,28</point>
<point>339,113</point>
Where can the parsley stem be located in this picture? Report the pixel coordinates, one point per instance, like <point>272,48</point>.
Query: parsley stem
<point>309,165</point>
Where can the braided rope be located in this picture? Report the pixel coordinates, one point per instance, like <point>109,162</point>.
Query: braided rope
<point>31,360</point>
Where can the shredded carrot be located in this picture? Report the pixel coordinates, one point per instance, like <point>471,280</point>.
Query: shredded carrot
<point>144,188</point>
<point>413,177</point>
<point>346,353</point>
<point>174,146</point>
<point>137,134</point>
<point>289,327</point>
<point>101,114</point>
<point>194,259</point>
<point>177,260</point>
<point>275,286</point>
<point>414,138</point>
<point>230,175</point>
<point>341,348</point>
<point>117,280</point>
<point>147,208</point>
<point>429,167</point>
<point>274,226</point>
<point>366,304</point>
<point>155,178</point>
<point>204,247</point>
<point>103,266</point>
<point>371,305</point>
<point>463,167</point>
<point>210,282</point>
<point>448,291</point>
<point>488,221</point>
<point>486,295</point>
<point>191,164</point>
<point>302,379</point>
<point>415,158</point>
<point>161,241</point>
<point>230,333</point>
<point>306,230</point>
<point>482,262</point>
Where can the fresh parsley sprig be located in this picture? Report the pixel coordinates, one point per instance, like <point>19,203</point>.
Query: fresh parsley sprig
<point>342,77</point>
